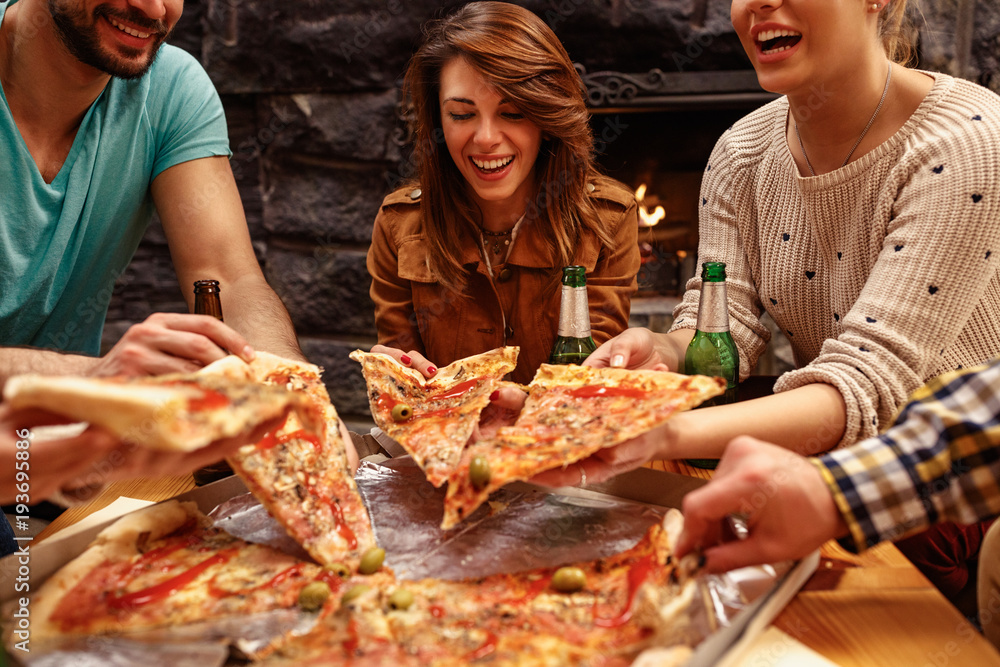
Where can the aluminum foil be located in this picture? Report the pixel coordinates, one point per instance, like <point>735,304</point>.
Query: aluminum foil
<point>522,527</point>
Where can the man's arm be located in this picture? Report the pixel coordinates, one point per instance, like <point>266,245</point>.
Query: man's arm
<point>163,343</point>
<point>203,219</point>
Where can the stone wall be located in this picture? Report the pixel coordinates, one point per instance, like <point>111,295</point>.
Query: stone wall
<point>311,90</point>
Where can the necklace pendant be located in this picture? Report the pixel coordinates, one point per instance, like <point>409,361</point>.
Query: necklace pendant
<point>496,248</point>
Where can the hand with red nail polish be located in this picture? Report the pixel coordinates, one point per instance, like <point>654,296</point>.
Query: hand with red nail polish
<point>413,359</point>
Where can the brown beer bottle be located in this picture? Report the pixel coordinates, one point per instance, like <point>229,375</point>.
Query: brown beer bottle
<point>206,298</point>
<point>207,302</point>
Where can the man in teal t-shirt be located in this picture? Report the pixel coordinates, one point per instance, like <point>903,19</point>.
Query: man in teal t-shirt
<point>99,124</point>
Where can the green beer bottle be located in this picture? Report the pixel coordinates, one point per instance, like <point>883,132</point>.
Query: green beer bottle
<point>712,350</point>
<point>574,342</point>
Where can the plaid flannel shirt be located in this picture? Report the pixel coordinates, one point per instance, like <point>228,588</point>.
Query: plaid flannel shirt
<point>940,461</point>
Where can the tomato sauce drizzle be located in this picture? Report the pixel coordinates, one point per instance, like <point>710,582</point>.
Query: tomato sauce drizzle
<point>272,439</point>
<point>437,611</point>
<point>166,588</point>
<point>636,575</point>
<point>279,578</point>
<point>600,391</point>
<point>331,579</point>
<point>338,516</point>
<point>488,647</point>
<point>455,392</point>
<point>535,588</point>
<point>351,643</point>
<point>386,403</point>
<point>209,399</point>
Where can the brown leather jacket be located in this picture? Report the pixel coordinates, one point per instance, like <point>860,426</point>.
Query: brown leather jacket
<point>414,312</point>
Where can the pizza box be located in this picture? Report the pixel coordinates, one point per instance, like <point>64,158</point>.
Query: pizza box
<point>656,489</point>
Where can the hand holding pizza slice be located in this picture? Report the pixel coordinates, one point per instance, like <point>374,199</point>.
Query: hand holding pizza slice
<point>571,413</point>
<point>433,419</point>
<point>178,412</point>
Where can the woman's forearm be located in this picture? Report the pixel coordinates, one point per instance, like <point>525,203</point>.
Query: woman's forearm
<point>807,420</point>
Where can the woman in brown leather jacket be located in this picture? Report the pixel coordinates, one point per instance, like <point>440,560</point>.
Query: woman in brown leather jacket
<point>469,257</point>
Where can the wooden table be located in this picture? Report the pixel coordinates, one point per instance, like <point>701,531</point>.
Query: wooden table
<point>875,609</point>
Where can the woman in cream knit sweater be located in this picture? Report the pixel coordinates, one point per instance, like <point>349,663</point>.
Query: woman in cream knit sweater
<point>873,241</point>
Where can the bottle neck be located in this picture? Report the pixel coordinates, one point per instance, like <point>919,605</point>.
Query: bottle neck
<point>208,304</point>
<point>713,309</point>
<point>574,313</point>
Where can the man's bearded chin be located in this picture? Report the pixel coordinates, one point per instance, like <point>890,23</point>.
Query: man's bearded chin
<point>79,33</point>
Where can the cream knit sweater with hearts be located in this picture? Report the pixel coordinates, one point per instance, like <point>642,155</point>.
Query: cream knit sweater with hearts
<point>883,273</point>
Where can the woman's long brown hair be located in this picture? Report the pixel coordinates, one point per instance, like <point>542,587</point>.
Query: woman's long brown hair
<point>523,60</point>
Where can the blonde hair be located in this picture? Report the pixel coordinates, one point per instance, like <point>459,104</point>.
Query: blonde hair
<point>897,33</point>
<point>522,59</point>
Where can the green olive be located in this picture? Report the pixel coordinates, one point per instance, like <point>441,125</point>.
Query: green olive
<point>569,579</point>
<point>338,569</point>
<point>479,472</point>
<point>401,599</point>
<point>313,595</point>
<point>401,412</point>
<point>354,592</point>
<point>371,560</point>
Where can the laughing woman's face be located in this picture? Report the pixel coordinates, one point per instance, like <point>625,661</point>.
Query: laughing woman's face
<point>794,44</point>
<point>490,140</point>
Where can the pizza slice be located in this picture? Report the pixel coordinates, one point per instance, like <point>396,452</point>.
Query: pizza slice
<point>165,565</point>
<point>571,413</point>
<point>433,419</point>
<point>176,412</point>
<point>601,612</point>
<point>303,477</point>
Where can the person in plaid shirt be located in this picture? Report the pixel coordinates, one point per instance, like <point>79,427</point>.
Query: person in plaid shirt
<point>940,461</point>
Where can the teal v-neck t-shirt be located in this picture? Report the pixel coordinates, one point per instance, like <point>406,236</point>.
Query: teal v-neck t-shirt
<point>64,244</point>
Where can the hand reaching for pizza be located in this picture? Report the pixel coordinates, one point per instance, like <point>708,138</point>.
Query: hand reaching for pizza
<point>788,508</point>
<point>92,458</point>
<point>171,343</point>
<point>638,348</point>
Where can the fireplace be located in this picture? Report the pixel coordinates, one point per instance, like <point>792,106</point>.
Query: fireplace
<point>655,132</point>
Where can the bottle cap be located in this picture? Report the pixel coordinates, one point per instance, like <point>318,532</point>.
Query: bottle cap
<point>574,276</point>
<point>713,272</point>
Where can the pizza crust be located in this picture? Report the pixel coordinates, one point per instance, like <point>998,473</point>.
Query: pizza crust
<point>155,412</point>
